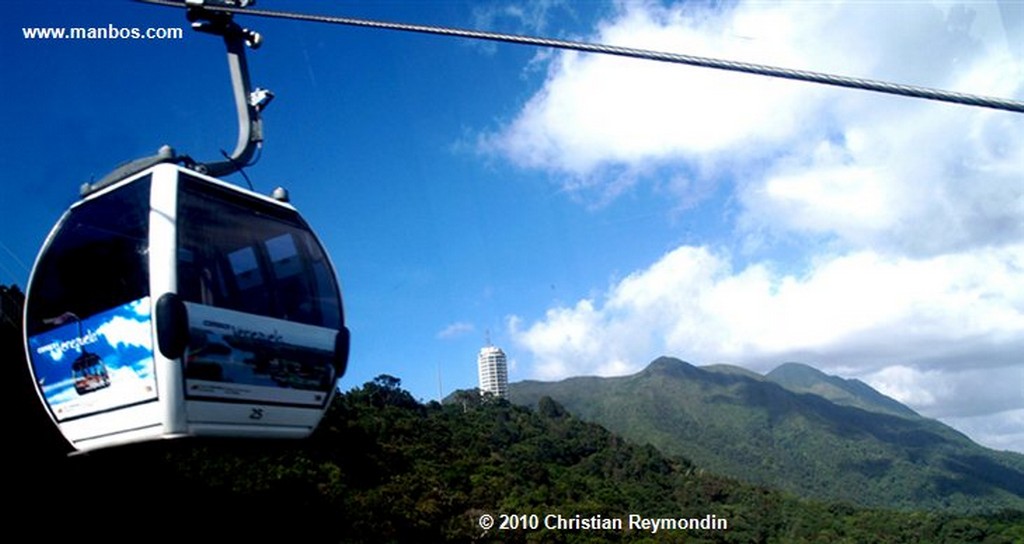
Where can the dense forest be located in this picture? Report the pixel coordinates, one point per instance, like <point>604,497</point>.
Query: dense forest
<point>798,430</point>
<point>384,467</point>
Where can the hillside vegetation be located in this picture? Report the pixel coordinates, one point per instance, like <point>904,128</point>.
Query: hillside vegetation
<point>795,429</point>
<point>385,468</point>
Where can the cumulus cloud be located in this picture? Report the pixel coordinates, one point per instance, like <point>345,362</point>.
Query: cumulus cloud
<point>935,181</point>
<point>602,124</point>
<point>862,311</point>
<point>907,216</point>
<point>598,112</point>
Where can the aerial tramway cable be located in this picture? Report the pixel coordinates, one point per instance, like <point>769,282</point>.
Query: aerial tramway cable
<point>886,87</point>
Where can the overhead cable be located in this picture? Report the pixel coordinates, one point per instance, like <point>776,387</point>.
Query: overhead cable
<point>879,86</point>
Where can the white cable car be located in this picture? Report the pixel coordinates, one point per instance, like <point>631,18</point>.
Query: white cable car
<point>171,303</point>
<point>168,303</point>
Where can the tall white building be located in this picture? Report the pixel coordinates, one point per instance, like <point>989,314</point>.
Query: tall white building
<point>493,370</point>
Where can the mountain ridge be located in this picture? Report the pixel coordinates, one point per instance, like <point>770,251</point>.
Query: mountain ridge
<point>802,378</point>
<point>858,446</point>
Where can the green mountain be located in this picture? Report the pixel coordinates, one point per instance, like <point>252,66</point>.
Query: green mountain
<point>795,429</point>
<point>801,378</point>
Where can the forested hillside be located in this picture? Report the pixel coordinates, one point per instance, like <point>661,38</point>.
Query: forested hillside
<point>385,468</point>
<point>798,430</point>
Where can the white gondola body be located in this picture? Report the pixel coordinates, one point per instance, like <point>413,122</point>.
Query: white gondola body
<point>258,315</point>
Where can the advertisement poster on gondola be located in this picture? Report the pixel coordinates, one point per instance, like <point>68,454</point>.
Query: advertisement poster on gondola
<point>241,357</point>
<point>96,363</point>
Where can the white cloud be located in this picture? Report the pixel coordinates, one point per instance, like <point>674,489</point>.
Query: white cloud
<point>129,332</point>
<point>597,111</point>
<point>850,163</point>
<point>934,181</point>
<point>909,213</point>
<point>455,330</point>
<point>861,309</point>
<point>140,308</point>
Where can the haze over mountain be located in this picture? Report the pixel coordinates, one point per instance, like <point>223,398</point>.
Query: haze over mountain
<point>797,429</point>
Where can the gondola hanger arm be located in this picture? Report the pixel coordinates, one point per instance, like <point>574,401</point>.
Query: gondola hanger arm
<point>249,103</point>
<point>205,17</point>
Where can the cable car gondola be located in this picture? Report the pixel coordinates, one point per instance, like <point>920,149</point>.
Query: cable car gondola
<point>89,373</point>
<point>168,303</point>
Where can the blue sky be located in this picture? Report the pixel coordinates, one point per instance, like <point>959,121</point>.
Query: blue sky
<point>592,214</point>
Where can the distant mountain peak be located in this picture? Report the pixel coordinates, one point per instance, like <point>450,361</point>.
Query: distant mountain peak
<point>666,362</point>
<point>792,376</point>
<point>670,366</point>
<point>802,378</point>
<point>797,369</point>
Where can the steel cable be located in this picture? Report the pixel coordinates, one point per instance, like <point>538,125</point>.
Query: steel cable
<point>899,89</point>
